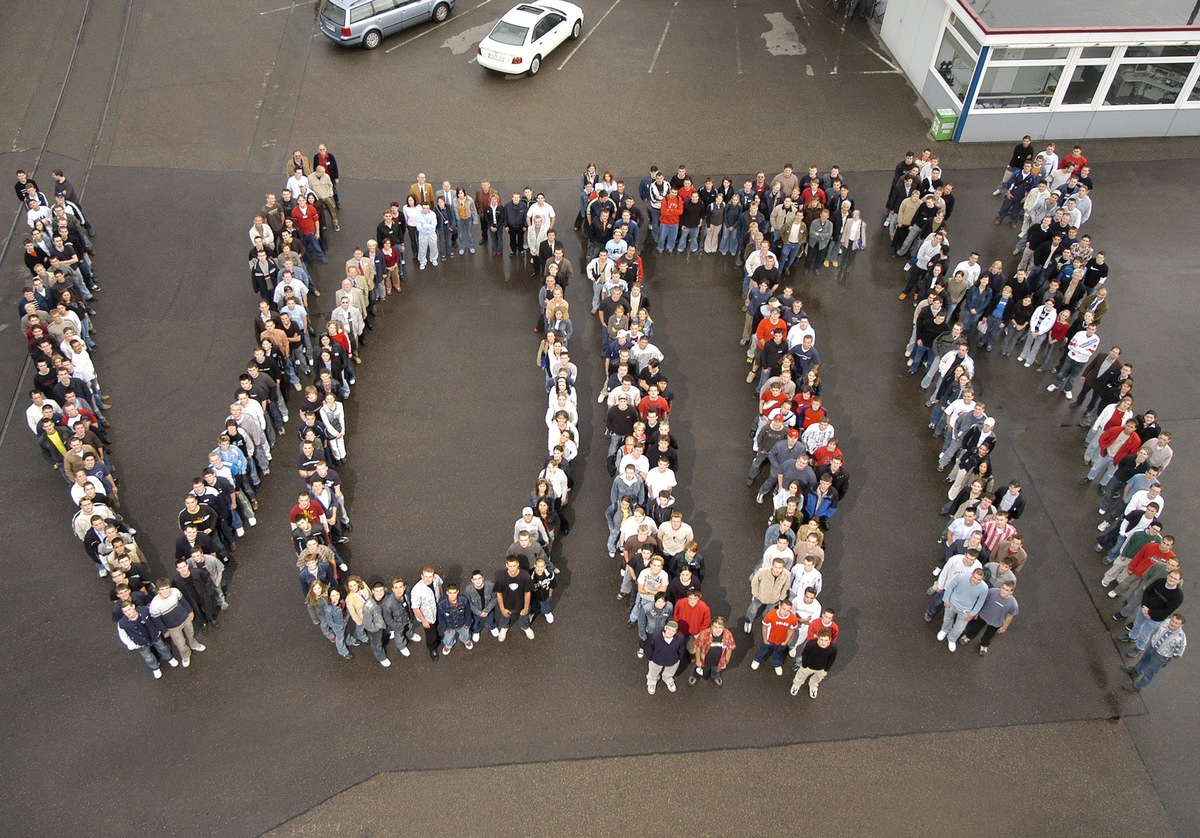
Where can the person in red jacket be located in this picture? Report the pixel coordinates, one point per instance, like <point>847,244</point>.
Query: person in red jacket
<point>305,216</point>
<point>1115,443</point>
<point>668,219</point>
<point>693,616</point>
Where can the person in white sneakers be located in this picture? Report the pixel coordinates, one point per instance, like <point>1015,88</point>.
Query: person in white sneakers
<point>964,598</point>
<point>136,629</point>
<point>814,662</point>
<point>1082,346</point>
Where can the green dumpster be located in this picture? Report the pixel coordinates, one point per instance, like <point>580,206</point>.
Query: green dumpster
<point>944,121</point>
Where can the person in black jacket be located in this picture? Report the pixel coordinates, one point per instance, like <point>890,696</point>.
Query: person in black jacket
<point>514,223</point>
<point>1160,600</point>
<point>814,662</point>
<point>192,537</point>
<point>137,631</point>
<point>1022,154</point>
<point>199,591</point>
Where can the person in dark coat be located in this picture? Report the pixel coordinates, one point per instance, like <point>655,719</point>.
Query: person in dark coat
<point>664,651</point>
<point>198,590</point>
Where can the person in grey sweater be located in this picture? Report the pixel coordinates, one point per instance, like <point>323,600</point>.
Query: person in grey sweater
<point>964,597</point>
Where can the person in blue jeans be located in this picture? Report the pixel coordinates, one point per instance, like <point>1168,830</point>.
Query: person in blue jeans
<point>334,612</point>
<point>136,629</point>
<point>1166,643</point>
<point>1158,600</point>
<point>996,319</point>
<point>778,630</point>
<point>454,620</point>
<point>481,594</point>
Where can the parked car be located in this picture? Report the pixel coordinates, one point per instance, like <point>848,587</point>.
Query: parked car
<point>367,22</point>
<point>527,33</point>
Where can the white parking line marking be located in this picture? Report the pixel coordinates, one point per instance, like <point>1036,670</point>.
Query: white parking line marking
<point>286,8</point>
<point>435,28</point>
<point>571,54</point>
<point>663,39</point>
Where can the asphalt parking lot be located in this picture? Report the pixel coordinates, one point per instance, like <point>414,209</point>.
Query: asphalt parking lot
<point>202,111</point>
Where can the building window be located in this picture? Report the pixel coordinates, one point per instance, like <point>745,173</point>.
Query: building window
<point>1018,86</point>
<point>1029,53</point>
<point>1084,83</point>
<point>1147,84</point>
<point>955,64</point>
<point>1195,96</point>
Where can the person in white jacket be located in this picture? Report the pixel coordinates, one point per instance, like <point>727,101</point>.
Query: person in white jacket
<point>1040,325</point>
<point>967,562</point>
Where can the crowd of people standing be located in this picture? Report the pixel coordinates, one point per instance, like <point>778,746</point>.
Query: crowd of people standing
<point>1048,313</point>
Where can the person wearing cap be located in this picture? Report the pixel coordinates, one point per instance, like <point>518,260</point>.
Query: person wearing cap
<point>664,650</point>
<point>530,523</point>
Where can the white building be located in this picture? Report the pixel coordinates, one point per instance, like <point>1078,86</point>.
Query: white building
<point>1048,68</point>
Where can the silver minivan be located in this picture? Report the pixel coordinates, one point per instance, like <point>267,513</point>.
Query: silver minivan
<point>366,22</point>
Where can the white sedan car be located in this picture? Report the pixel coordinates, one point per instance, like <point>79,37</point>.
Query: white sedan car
<point>528,33</point>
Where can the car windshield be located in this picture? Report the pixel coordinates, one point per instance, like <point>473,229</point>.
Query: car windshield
<point>509,33</point>
<point>334,14</point>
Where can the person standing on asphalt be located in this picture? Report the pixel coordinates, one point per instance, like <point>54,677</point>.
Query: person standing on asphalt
<point>425,596</point>
<point>664,650</point>
<point>779,628</point>
<point>1166,643</point>
<point>514,589</point>
<point>373,622</point>
<point>964,597</point>
<point>136,629</point>
<point>997,614</point>
<point>334,612</point>
<point>397,615</point>
<point>172,615</point>
<point>1159,601</point>
<point>814,662</point>
<point>454,619</point>
<point>714,647</point>
<point>768,585</point>
<point>1022,154</point>
<point>199,591</point>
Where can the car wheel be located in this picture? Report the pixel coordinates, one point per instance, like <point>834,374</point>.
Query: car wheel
<point>575,30</point>
<point>372,39</point>
<point>535,65</point>
<point>440,12</point>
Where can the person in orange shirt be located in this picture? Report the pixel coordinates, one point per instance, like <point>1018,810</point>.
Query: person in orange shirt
<point>669,215</point>
<point>778,629</point>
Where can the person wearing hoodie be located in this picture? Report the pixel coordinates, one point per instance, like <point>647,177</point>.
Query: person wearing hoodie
<point>136,629</point>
